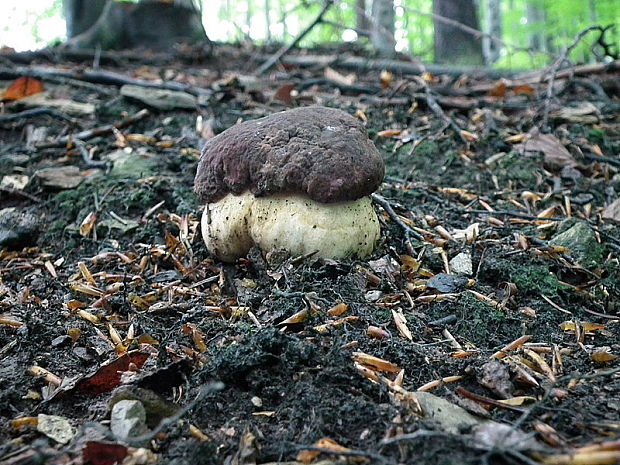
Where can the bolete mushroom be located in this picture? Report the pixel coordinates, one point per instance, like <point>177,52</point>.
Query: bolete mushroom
<point>299,180</point>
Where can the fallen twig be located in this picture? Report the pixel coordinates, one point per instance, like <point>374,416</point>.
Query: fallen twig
<point>383,202</point>
<point>36,112</point>
<point>555,67</point>
<point>284,50</point>
<point>436,108</point>
<point>99,131</point>
<point>21,193</point>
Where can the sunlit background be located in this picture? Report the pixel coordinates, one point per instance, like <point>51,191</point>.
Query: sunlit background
<point>34,24</point>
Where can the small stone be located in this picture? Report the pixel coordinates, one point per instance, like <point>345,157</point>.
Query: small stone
<point>128,419</point>
<point>129,164</point>
<point>63,177</point>
<point>256,401</point>
<point>373,296</point>
<point>15,181</point>
<point>161,99</point>
<point>17,228</point>
<point>462,264</point>
<point>447,283</point>
<point>582,244</point>
<point>54,427</point>
<point>61,341</point>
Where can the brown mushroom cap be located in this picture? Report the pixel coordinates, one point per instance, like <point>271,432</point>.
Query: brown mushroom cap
<point>321,152</point>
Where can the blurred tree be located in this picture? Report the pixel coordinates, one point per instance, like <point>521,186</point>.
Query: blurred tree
<point>494,28</point>
<point>81,14</point>
<point>382,29</point>
<point>453,44</point>
<point>153,24</point>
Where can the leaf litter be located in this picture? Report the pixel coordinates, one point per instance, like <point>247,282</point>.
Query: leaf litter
<point>320,360</point>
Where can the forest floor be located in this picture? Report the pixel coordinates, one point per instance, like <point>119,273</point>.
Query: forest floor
<point>485,327</point>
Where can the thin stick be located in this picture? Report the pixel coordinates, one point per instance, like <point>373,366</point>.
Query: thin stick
<point>394,216</point>
<point>555,67</point>
<point>284,50</point>
<point>101,130</point>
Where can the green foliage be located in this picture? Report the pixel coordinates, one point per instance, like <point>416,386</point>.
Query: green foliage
<point>535,32</point>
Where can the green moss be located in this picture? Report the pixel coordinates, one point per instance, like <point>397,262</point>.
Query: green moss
<point>537,279</point>
<point>482,324</point>
<point>517,170</point>
<point>596,136</point>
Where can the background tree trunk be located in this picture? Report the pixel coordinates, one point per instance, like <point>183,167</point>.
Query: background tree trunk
<point>81,14</point>
<point>361,20</point>
<point>148,24</point>
<point>494,28</point>
<point>536,20</point>
<point>453,45</point>
<point>382,30</point>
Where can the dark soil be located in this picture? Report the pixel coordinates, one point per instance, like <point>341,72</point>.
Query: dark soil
<point>286,385</point>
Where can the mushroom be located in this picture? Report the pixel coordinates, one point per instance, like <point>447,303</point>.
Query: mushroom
<point>299,180</point>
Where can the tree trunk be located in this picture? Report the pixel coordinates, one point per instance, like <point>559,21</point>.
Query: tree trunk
<point>361,20</point>
<point>535,21</point>
<point>148,24</point>
<point>267,21</point>
<point>452,44</point>
<point>81,14</point>
<point>382,30</point>
<point>494,29</point>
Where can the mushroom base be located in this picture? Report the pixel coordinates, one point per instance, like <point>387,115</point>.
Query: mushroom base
<point>294,223</point>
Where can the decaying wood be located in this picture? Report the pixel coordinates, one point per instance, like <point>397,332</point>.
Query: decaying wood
<point>97,77</point>
<point>396,66</point>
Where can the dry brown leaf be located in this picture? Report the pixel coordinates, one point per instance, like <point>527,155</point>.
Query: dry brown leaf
<point>386,78</point>
<point>88,223</point>
<point>296,318</point>
<point>22,87</point>
<point>335,76</point>
<point>374,363</point>
<point>284,94</point>
<point>377,333</point>
<point>50,268</point>
<point>389,132</point>
<point>555,154</point>
<point>518,401</point>
<point>401,325</point>
<point>74,333</point>
<point>612,211</point>
<point>585,325</point>
<point>338,309</point>
<point>10,322</point>
<point>498,89</point>
<point>524,89</point>
<point>603,355</point>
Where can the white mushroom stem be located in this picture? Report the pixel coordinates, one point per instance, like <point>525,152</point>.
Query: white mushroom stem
<point>294,223</point>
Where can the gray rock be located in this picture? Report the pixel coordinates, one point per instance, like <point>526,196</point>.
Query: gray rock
<point>54,427</point>
<point>160,98</point>
<point>17,228</point>
<point>130,164</point>
<point>63,177</point>
<point>462,264</point>
<point>128,420</point>
<point>447,283</point>
<point>445,415</point>
<point>582,244</point>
